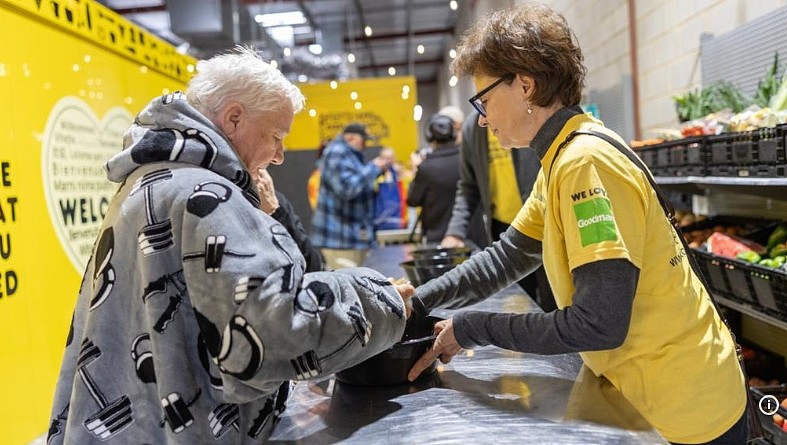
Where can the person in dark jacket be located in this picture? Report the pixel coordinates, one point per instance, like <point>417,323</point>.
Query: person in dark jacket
<point>275,204</point>
<point>434,185</point>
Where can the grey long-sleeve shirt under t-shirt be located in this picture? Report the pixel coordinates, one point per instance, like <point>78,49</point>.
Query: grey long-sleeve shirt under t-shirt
<point>597,319</point>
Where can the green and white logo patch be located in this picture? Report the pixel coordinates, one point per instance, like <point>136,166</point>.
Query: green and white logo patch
<point>595,221</point>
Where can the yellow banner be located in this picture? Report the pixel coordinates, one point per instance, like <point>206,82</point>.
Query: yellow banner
<point>385,105</point>
<point>68,95</point>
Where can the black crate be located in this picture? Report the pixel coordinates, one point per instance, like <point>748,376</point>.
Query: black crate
<point>690,151</point>
<point>775,434</point>
<point>648,156</point>
<point>771,145</point>
<point>742,149</point>
<point>735,283</point>
<point>682,157</point>
<point>757,153</point>
<point>718,150</point>
<point>762,287</point>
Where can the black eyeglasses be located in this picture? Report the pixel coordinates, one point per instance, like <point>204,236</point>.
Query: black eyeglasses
<point>475,101</point>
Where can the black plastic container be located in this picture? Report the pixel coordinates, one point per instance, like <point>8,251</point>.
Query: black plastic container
<point>391,366</point>
<point>419,271</point>
<point>436,252</point>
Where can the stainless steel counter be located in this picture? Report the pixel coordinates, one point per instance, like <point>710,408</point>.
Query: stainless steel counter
<point>486,395</point>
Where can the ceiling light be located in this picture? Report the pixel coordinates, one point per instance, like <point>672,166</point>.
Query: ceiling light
<point>353,95</point>
<point>302,78</point>
<point>288,18</point>
<point>453,5</point>
<point>417,113</point>
<point>312,112</point>
<point>274,64</point>
<point>391,71</point>
<point>357,105</point>
<point>287,52</point>
<point>452,53</point>
<point>405,88</point>
<point>453,81</point>
<point>351,58</point>
<point>315,48</point>
<point>368,31</point>
<point>334,84</point>
<point>420,49</point>
<point>190,67</point>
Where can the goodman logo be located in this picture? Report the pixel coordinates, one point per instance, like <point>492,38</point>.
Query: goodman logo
<point>595,221</point>
<point>598,218</point>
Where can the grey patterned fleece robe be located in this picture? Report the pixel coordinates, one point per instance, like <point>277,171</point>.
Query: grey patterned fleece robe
<point>194,313</point>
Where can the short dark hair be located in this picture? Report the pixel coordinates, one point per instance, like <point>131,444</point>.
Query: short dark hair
<point>528,39</point>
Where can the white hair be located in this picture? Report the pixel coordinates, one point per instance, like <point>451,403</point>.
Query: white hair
<point>241,76</point>
<point>453,112</point>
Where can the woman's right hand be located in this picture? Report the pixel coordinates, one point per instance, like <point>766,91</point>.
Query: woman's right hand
<point>445,347</point>
<point>452,241</point>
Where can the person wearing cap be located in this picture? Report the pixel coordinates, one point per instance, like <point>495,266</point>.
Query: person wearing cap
<point>343,223</point>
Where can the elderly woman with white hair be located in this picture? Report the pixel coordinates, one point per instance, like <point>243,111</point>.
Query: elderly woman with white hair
<point>195,313</point>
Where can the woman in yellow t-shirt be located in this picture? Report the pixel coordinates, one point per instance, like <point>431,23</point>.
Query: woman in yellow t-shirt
<point>628,300</point>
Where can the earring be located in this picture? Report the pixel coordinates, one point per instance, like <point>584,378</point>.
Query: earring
<point>529,108</point>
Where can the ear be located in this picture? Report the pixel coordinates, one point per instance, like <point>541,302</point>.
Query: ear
<point>527,84</point>
<point>229,118</point>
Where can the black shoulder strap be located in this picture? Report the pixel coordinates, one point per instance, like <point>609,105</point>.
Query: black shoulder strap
<point>669,210</point>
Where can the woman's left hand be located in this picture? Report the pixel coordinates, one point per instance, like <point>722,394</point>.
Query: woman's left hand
<point>445,347</point>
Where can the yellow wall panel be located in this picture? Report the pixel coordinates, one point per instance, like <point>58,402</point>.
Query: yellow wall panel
<point>68,93</point>
<point>387,112</point>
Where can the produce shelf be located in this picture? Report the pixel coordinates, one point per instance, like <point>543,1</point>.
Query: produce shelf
<point>767,187</point>
<point>745,309</point>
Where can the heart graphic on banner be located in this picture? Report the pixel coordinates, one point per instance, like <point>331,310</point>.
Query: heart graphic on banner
<point>75,147</point>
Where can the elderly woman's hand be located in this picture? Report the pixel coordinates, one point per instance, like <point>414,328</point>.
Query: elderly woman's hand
<point>406,291</point>
<point>268,200</point>
<point>445,347</point>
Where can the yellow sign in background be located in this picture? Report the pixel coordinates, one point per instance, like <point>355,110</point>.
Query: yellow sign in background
<point>71,81</point>
<point>385,105</point>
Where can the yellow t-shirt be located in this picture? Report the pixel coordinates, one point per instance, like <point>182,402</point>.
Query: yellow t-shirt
<point>678,365</point>
<point>503,189</point>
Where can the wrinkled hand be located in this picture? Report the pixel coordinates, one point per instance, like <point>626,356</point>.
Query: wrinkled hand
<point>445,347</point>
<point>406,291</point>
<point>452,241</point>
<point>268,200</point>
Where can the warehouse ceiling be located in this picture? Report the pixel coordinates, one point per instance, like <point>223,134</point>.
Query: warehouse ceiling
<point>311,40</point>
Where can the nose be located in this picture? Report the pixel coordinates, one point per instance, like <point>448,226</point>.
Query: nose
<point>278,157</point>
<point>482,121</point>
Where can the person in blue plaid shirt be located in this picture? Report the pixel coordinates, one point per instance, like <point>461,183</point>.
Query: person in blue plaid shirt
<point>343,223</point>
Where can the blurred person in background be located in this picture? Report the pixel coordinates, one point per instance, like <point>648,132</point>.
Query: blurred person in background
<point>275,204</point>
<point>497,181</point>
<point>194,313</point>
<point>434,186</point>
<point>629,301</point>
<point>343,223</point>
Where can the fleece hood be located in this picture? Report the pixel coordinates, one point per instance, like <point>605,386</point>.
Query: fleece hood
<point>169,129</point>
